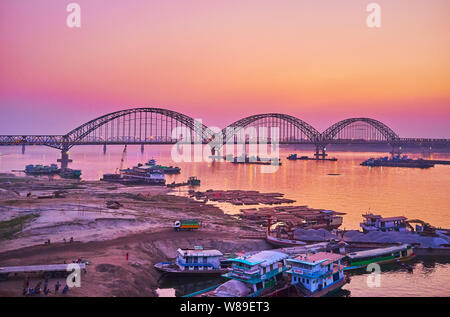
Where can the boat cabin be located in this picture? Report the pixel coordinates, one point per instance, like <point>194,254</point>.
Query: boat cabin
<point>315,272</point>
<point>377,223</point>
<point>198,259</point>
<point>260,271</point>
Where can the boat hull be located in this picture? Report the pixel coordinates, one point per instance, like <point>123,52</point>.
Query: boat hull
<point>278,242</point>
<point>170,268</point>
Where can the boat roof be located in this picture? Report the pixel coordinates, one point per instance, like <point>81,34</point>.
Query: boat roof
<point>323,258</point>
<point>375,252</point>
<point>384,219</point>
<point>200,252</point>
<point>265,258</point>
<point>394,218</point>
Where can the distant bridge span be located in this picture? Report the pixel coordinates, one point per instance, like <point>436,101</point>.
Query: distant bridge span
<point>151,125</point>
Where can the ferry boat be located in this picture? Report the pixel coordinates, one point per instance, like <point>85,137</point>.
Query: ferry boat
<point>256,275</point>
<point>316,275</point>
<point>42,169</point>
<point>378,223</point>
<point>361,259</point>
<point>145,175</point>
<point>195,261</point>
<point>137,175</point>
<point>164,169</point>
<point>397,161</point>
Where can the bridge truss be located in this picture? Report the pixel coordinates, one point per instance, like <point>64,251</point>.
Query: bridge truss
<point>156,125</point>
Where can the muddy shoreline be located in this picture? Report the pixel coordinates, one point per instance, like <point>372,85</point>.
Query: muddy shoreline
<point>141,227</point>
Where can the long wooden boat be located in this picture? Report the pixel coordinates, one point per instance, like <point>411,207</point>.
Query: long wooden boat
<point>361,259</point>
<point>280,242</point>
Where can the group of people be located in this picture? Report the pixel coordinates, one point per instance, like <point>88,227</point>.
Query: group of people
<point>31,291</point>
<point>64,240</point>
<point>70,241</point>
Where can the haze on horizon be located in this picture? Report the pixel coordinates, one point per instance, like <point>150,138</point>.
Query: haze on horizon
<point>224,60</point>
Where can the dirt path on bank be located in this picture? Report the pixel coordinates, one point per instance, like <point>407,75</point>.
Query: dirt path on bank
<point>110,274</point>
<point>141,227</point>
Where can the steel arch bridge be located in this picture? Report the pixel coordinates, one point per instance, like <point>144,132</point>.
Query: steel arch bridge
<point>151,125</point>
<point>346,131</point>
<point>138,126</point>
<point>290,129</point>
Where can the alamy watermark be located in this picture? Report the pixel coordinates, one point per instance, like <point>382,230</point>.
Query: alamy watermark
<point>74,277</point>
<point>374,18</point>
<point>73,19</point>
<point>374,278</point>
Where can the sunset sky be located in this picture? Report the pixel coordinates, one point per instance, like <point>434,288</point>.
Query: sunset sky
<point>223,60</point>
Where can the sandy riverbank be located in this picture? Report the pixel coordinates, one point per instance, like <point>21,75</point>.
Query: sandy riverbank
<point>141,227</point>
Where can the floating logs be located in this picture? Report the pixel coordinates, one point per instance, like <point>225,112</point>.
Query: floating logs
<point>241,197</point>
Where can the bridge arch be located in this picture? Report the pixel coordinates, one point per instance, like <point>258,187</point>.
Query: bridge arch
<point>379,130</point>
<point>292,129</point>
<point>139,125</point>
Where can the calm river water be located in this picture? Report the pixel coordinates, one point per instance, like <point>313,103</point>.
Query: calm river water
<point>353,189</point>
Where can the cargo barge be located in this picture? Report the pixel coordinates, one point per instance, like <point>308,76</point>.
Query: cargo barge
<point>294,157</point>
<point>256,160</point>
<point>42,169</point>
<point>397,161</point>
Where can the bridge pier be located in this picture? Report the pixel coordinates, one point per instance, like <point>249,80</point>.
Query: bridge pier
<point>64,160</point>
<point>320,152</point>
<point>396,150</point>
<point>23,148</point>
<point>142,148</point>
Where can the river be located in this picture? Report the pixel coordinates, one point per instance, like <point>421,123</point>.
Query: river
<point>353,189</point>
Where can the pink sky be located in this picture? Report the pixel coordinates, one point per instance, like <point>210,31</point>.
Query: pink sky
<point>223,60</point>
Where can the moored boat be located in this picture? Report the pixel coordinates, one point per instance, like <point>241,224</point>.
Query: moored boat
<point>256,275</point>
<point>284,233</point>
<point>378,223</point>
<point>138,175</point>
<point>195,261</point>
<point>70,173</point>
<point>316,275</point>
<point>397,161</point>
<point>361,259</point>
<point>163,168</point>
<point>42,169</point>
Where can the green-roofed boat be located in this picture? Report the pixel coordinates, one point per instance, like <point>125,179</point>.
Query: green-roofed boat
<point>395,254</point>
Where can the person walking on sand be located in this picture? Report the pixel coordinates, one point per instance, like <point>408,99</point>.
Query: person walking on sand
<point>57,286</point>
<point>127,256</point>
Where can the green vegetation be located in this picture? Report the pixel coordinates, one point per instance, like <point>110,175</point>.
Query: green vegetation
<point>10,227</point>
